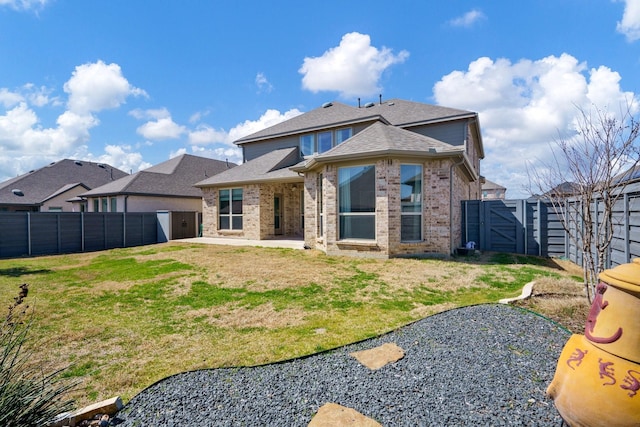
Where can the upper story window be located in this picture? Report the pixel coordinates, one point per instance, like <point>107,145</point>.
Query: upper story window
<point>317,143</point>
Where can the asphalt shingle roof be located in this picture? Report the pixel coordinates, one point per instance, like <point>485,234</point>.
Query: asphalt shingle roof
<point>380,138</point>
<point>396,112</point>
<point>41,184</point>
<point>273,166</point>
<point>174,178</point>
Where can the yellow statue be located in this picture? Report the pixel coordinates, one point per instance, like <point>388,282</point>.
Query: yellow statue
<point>597,379</point>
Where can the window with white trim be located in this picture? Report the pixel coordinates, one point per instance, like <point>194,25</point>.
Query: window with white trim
<point>357,202</point>
<point>411,203</point>
<point>230,209</point>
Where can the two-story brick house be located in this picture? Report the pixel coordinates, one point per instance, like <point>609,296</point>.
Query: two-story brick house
<point>381,180</point>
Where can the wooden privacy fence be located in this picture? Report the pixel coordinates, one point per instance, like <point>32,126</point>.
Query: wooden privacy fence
<point>47,233</point>
<point>532,227</point>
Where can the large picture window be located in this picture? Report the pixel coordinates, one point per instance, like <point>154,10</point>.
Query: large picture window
<point>411,202</point>
<point>230,209</point>
<point>357,202</point>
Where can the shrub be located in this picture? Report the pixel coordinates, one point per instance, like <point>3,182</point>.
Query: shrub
<point>29,396</point>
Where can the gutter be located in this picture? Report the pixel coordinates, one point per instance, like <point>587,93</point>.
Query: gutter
<point>433,153</point>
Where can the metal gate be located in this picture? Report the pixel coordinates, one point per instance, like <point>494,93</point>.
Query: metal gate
<point>183,225</point>
<point>514,226</point>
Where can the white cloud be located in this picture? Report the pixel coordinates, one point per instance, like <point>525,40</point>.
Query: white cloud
<point>24,4</point>
<point>98,86</point>
<point>178,152</point>
<point>234,155</point>
<point>9,99</point>
<point>263,84</point>
<point>218,143</point>
<point>525,106</point>
<point>27,142</point>
<point>198,116</point>
<point>205,135</point>
<point>119,156</point>
<point>354,68</point>
<point>158,113</point>
<point>269,118</point>
<point>630,23</point>
<point>161,129</point>
<point>468,19</point>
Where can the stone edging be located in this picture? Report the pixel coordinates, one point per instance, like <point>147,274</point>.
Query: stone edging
<point>526,293</point>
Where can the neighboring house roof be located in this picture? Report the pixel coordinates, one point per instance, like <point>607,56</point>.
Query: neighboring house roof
<point>174,178</point>
<point>396,112</point>
<point>272,166</point>
<point>66,188</point>
<point>39,185</point>
<point>490,185</point>
<point>564,189</point>
<point>630,175</point>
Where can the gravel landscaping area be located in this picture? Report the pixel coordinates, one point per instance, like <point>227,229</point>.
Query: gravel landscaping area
<point>478,365</point>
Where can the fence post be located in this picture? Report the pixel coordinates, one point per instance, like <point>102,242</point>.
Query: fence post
<point>29,232</point>
<point>539,227</point>
<point>58,233</point>
<point>627,231</point>
<point>82,231</point>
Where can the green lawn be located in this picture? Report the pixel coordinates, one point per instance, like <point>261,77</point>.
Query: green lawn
<point>125,318</point>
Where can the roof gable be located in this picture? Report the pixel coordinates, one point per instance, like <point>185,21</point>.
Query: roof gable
<point>40,184</point>
<point>381,139</point>
<point>335,114</point>
<point>175,177</point>
<point>272,166</point>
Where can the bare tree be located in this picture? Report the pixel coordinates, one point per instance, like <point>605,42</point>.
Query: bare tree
<point>585,180</point>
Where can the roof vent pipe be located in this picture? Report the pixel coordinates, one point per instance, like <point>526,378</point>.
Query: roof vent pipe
<point>380,99</point>
<point>358,102</point>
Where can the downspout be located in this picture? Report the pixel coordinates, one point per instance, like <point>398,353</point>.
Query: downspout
<point>454,165</point>
<point>126,198</point>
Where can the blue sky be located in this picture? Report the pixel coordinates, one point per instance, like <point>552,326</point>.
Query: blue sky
<point>134,83</point>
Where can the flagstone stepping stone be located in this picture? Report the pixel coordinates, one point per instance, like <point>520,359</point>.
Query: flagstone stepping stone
<point>377,357</point>
<point>332,415</point>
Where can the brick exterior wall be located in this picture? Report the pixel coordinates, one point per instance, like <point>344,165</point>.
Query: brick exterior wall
<point>258,211</point>
<point>438,214</point>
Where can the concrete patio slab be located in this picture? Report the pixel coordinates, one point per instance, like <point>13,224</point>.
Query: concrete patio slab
<point>270,243</point>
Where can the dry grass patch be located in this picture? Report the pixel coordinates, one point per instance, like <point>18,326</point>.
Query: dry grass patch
<point>263,316</point>
<point>129,317</point>
<point>422,311</point>
<point>407,274</point>
<point>258,269</point>
<point>562,300</point>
